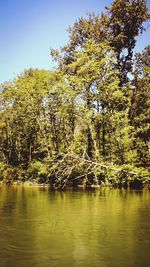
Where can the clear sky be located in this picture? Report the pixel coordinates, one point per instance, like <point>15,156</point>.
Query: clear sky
<point>28,28</point>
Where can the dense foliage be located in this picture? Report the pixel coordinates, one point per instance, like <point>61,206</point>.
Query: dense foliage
<point>87,122</point>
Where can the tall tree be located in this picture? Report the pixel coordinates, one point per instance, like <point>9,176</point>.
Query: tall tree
<point>140,106</point>
<point>126,21</point>
<point>120,25</point>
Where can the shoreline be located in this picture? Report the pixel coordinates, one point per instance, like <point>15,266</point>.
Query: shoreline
<point>78,187</point>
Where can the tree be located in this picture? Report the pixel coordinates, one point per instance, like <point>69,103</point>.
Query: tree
<point>92,75</point>
<point>21,104</point>
<point>37,112</point>
<point>120,26</point>
<point>140,106</point>
<point>126,21</point>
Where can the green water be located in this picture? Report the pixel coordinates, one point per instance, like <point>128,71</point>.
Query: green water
<point>104,228</point>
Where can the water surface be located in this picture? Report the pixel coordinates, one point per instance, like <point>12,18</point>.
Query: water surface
<point>106,228</point>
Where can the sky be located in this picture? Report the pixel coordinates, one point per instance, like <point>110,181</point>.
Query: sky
<point>29,28</point>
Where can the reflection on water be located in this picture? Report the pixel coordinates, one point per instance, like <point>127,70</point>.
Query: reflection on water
<point>106,228</point>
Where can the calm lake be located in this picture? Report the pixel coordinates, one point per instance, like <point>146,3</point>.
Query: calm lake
<point>105,228</point>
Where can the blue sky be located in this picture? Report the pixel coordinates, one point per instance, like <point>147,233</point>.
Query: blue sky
<point>28,28</point>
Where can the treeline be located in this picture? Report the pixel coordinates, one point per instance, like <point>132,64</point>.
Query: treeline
<point>86,122</point>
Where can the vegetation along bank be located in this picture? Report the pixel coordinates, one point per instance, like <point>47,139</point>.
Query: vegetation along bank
<point>86,123</point>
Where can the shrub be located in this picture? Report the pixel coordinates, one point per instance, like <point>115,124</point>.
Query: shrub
<point>38,172</point>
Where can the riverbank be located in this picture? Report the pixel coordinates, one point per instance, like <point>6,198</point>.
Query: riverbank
<point>47,186</point>
<point>74,172</point>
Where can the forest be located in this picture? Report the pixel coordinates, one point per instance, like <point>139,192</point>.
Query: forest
<point>86,122</point>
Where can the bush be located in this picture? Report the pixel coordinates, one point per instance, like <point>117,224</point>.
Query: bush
<point>7,174</point>
<point>37,172</point>
<point>3,166</point>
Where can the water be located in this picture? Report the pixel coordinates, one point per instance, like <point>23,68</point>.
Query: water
<point>107,228</point>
